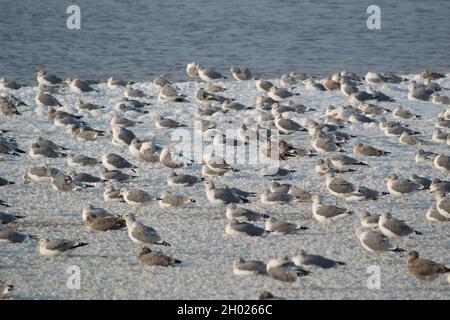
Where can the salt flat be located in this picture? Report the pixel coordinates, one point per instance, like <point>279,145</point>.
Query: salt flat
<point>109,266</point>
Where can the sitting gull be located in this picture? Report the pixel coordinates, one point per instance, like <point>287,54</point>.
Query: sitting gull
<point>424,269</point>
<point>266,295</point>
<point>207,74</point>
<point>131,93</point>
<point>115,175</point>
<point>40,174</point>
<point>6,218</point>
<point>166,123</point>
<point>104,223</point>
<point>263,85</point>
<point>376,242</point>
<point>57,247</point>
<point>307,261</point>
<point>142,234</point>
<point>64,183</point>
<point>81,161</point>
<point>285,270</point>
<point>275,198</point>
<point>137,198</point>
<point>233,211</point>
<point>112,161</point>
<point>165,158</point>
<point>443,204</point>
<point>280,94</point>
<point>79,86</point>
<point>366,150</point>
<point>241,74</point>
<point>401,187</point>
<point>148,257</point>
<point>370,220</point>
<point>161,81</point>
<point>344,163</point>
<point>13,236</point>
<point>433,215</point>
<point>114,83</point>
<point>235,228</point>
<point>394,228</point>
<point>276,226</point>
<point>242,267</point>
<point>111,194</point>
<point>400,113</point>
<point>184,180</point>
<point>325,214</point>
<point>46,79</point>
<point>171,200</point>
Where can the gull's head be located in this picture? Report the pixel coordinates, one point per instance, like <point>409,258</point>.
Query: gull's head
<point>129,217</point>
<point>41,73</point>
<point>42,241</point>
<point>392,177</point>
<point>68,81</point>
<point>209,185</point>
<point>124,191</point>
<point>412,255</point>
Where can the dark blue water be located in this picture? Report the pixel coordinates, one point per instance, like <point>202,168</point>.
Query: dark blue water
<point>140,39</point>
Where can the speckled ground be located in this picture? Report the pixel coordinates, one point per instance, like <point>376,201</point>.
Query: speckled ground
<point>109,267</point>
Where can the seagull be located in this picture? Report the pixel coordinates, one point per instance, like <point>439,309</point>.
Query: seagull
<point>243,267</point>
<point>64,183</point>
<point>40,174</point>
<point>147,152</point>
<point>142,234</point>
<point>285,270</point>
<point>79,86</point>
<point>6,218</point>
<point>209,74</point>
<point>241,74</point>
<point>165,158</point>
<point>275,198</point>
<point>235,228</point>
<point>81,160</point>
<point>57,247</point>
<point>114,83</point>
<point>400,187</point>
<point>13,236</point>
<point>370,221</point>
<point>307,261</point>
<point>192,69</point>
<point>104,223</point>
<point>131,93</point>
<point>400,113</point>
<point>46,79</point>
<point>326,214</point>
<point>280,94</point>
<point>111,194</point>
<point>9,85</point>
<point>233,211</point>
<point>183,180</point>
<point>424,269</point>
<point>112,161</point>
<point>376,242</point>
<point>287,126</point>
<point>115,175</point>
<point>344,163</point>
<point>7,108</point>
<point>148,257</point>
<point>263,85</point>
<point>394,228</point>
<point>276,226</point>
<point>47,99</point>
<point>161,81</point>
<point>137,198</point>
<point>366,150</point>
<point>170,200</point>
<point>166,123</point>
<point>407,139</point>
<point>338,187</point>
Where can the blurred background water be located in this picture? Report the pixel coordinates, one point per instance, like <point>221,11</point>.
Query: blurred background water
<point>143,38</point>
